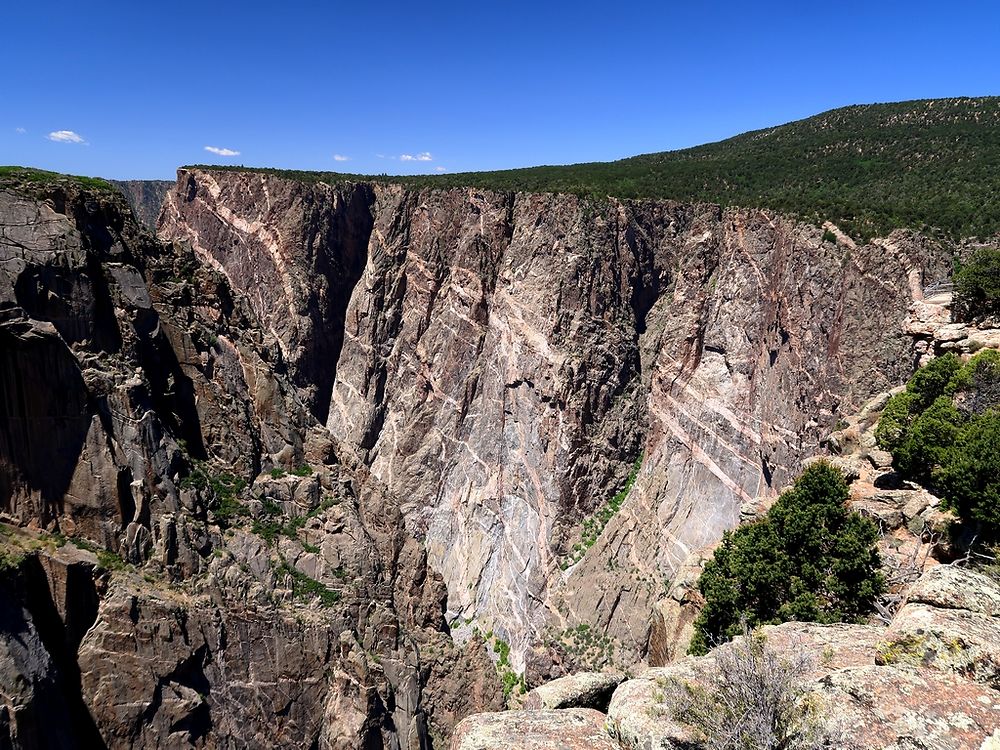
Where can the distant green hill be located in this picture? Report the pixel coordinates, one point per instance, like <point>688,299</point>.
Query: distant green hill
<point>932,164</point>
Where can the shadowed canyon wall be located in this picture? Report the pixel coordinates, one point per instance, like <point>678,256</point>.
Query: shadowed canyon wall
<point>186,560</point>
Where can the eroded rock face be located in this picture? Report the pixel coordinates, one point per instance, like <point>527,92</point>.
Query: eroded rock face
<point>146,197</point>
<point>329,428</point>
<point>247,582</point>
<point>504,358</point>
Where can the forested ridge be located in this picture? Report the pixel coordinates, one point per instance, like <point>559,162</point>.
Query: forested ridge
<point>930,165</point>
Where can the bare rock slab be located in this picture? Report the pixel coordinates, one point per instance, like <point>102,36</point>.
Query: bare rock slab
<point>950,622</point>
<point>568,729</point>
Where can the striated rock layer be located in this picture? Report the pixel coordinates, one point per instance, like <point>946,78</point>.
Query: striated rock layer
<point>501,360</point>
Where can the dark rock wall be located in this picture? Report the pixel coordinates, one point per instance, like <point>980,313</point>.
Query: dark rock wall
<point>129,367</point>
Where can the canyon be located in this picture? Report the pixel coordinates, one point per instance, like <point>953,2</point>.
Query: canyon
<point>338,464</point>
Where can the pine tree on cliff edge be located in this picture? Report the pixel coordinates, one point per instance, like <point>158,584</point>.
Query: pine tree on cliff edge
<point>809,559</point>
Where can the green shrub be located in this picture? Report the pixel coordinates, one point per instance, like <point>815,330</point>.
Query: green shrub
<point>223,490</point>
<point>10,561</point>
<point>977,286</point>
<point>945,434</point>
<point>810,558</point>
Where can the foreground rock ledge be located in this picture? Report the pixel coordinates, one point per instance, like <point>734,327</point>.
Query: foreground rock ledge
<point>548,729</point>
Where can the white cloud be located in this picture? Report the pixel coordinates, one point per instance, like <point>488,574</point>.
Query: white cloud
<point>341,157</point>
<point>440,169</point>
<point>65,136</point>
<point>20,131</point>
<point>422,156</point>
<point>222,151</point>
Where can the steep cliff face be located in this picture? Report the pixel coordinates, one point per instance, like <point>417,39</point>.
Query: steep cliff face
<point>499,361</point>
<point>185,555</point>
<point>145,197</point>
<point>269,477</point>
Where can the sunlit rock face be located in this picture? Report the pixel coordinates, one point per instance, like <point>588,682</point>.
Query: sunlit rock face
<point>499,361</point>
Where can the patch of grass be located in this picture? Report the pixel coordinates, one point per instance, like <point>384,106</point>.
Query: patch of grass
<point>106,559</point>
<point>594,524</point>
<point>14,176</point>
<point>277,472</point>
<point>306,588</point>
<point>305,470</point>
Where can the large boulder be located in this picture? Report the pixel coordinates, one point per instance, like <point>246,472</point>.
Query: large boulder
<point>890,708</point>
<point>582,690</point>
<point>951,622</point>
<point>639,715</point>
<point>569,729</point>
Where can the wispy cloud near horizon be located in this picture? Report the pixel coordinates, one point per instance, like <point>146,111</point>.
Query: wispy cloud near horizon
<point>341,157</point>
<point>222,151</point>
<point>65,136</point>
<point>422,156</point>
<point>20,131</point>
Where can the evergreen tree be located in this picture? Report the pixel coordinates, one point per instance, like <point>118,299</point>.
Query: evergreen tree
<point>944,432</point>
<point>810,558</point>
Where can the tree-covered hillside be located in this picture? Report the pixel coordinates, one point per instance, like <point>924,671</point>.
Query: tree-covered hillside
<point>930,164</point>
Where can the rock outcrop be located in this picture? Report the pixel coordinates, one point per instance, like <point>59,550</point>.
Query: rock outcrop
<point>872,687</point>
<point>570,729</point>
<point>580,690</point>
<point>501,360</point>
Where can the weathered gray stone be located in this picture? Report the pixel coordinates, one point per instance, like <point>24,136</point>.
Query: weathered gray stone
<point>887,708</point>
<point>568,729</point>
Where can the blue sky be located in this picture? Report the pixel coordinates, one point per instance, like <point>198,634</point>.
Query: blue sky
<point>455,86</point>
